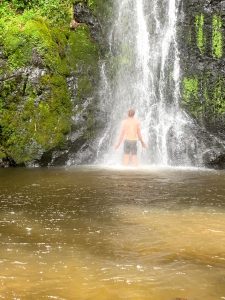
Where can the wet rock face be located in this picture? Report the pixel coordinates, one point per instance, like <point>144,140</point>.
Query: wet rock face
<point>82,83</point>
<point>201,37</point>
<point>83,14</point>
<point>48,95</point>
<point>214,158</point>
<point>201,32</point>
<point>6,163</point>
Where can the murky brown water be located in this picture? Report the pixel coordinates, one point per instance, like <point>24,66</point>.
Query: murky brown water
<point>107,234</point>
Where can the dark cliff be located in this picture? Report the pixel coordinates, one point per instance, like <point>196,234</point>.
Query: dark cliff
<point>48,78</point>
<point>201,31</point>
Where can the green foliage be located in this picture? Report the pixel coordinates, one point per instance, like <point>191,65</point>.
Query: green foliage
<point>201,40</point>
<point>2,154</point>
<point>190,88</point>
<point>56,11</point>
<point>83,52</point>
<point>215,102</point>
<point>190,95</point>
<point>21,4</point>
<point>5,11</point>
<point>24,33</point>
<point>30,127</point>
<point>36,33</point>
<point>218,98</point>
<point>82,48</point>
<point>204,98</point>
<point>217,37</point>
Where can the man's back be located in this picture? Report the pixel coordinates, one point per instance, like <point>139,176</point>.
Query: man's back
<point>130,128</point>
<point>130,134</point>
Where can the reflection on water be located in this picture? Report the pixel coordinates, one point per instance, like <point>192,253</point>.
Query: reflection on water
<point>112,234</point>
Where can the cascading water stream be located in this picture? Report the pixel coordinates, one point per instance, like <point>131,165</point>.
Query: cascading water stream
<point>143,72</point>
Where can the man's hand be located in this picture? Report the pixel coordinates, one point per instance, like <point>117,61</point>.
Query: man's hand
<point>144,145</point>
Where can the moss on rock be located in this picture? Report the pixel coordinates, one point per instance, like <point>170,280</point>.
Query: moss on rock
<point>29,127</point>
<point>190,95</point>
<point>24,33</point>
<point>40,53</point>
<point>204,99</point>
<point>217,37</point>
<point>101,8</point>
<point>200,36</point>
<point>83,53</point>
<point>201,41</point>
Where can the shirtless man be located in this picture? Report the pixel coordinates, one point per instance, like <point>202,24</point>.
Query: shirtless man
<point>130,133</point>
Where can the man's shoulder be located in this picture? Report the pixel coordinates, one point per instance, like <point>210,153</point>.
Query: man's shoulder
<point>124,123</point>
<point>136,121</point>
<point>130,121</point>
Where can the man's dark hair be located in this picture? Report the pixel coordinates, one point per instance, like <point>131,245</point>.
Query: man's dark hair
<point>131,113</point>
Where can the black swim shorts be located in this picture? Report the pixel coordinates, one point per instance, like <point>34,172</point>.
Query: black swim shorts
<point>130,147</point>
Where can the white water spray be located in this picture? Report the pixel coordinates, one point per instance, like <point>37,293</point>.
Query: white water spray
<point>144,73</point>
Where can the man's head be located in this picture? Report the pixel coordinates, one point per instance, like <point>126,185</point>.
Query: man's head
<point>131,113</point>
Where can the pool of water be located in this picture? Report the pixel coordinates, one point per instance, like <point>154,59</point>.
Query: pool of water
<point>109,234</point>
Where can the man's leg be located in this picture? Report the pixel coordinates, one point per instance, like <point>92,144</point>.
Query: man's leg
<point>126,158</point>
<point>126,155</point>
<point>134,160</point>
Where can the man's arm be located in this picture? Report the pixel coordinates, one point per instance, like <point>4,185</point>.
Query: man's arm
<point>121,136</point>
<point>140,136</point>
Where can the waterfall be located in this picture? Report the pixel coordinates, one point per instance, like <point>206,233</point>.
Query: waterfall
<point>143,72</point>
